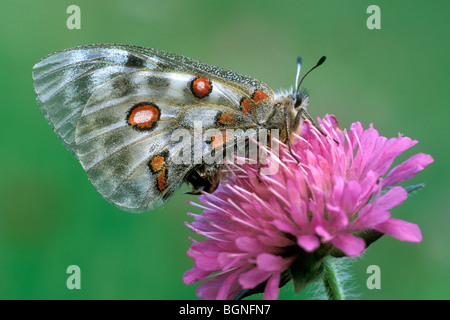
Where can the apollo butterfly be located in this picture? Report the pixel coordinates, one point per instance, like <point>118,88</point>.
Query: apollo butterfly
<point>117,107</point>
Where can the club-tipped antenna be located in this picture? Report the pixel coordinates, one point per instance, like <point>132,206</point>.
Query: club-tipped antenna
<point>299,60</point>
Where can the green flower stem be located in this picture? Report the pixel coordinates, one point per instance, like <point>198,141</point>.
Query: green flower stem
<point>331,281</point>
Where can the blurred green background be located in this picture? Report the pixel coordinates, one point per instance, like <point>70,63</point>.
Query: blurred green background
<point>52,217</point>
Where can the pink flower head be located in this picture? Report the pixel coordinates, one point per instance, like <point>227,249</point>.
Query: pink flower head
<point>259,226</point>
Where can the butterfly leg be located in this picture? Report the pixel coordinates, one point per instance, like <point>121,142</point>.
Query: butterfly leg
<point>259,169</point>
<point>288,136</point>
<point>306,116</point>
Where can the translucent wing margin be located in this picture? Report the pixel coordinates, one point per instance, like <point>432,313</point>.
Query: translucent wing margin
<point>64,81</point>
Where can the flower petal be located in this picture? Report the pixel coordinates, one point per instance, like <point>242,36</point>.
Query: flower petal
<point>393,148</point>
<point>272,287</point>
<point>337,218</point>
<point>253,277</point>
<point>208,290</point>
<point>309,243</point>
<point>377,212</point>
<point>407,169</point>
<point>207,263</point>
<point>351,245</point>
<point>324,234</point>
<point>270,262</point>
<point>299,213</point>
<point>394,197</point>
<point>401,230</point>
<point>224,290</point>
<point>230,260</point>
<point>285,226</point>
<point>350,198</point>
<point>194,275</point>
<point>370,216</point>
<point>248,244</point>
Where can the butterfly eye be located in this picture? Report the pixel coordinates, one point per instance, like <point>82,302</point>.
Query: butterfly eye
<point>298,100</point>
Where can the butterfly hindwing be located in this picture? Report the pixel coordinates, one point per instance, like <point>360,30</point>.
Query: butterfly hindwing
<point>116,153</point>
<point>117,108</point>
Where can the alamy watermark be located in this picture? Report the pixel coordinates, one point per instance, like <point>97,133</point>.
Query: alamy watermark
<point>74,280</point>
<point>74,20</point>
<point>374,280</point>
<point>374,20</point>
<point>214,146</point>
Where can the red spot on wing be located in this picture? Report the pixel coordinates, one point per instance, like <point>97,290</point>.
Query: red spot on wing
<point>157,163</point>
<point>259,96</point>
<point>144,115</point>
<point>246,106</point>
<point>227,118</point>
<point>220,139</point>
<point>201,87</point>
<point>161,180</point>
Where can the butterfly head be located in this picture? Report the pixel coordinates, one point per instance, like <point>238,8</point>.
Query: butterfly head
<point>299,97</point>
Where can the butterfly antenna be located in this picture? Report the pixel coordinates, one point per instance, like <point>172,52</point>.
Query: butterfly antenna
<point>299,66</point>
<point>321,60</point>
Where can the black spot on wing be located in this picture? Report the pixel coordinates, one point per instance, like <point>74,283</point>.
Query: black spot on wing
<point>113,141</point>
<point>135,62</point>
<point>158,81</point>
<point>121,166</point>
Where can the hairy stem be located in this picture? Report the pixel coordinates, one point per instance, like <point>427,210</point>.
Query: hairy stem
<point>331,281</point>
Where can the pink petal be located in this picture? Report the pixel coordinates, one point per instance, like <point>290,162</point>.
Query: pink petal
<point>253,277</point>
<point>270,262</point>
<point>368,185</point>
<point>248,244</point>
<point>365,156</point>
<point>407,169</point>
<point>309,243</point>
<point>230,260</point>
<point>350,198</point>
<point>401,230</point>
<point>311,158</point>
<point>320,231</point>
<point>299,213</point>
<point>202,246</point>
<point>285,227</point>
<point>377,212</point>
<point>394,197</point>
<point>356,129</point>
<point>208,290</point>
<point>337,218</point>
<point>207,263</point>
<point>369,216</point>
<point>274,238</point>
<point>272,287</point>
<point>338,190</point>
<point>316,207</point>
<point>351,245</point>
<point>330,121</point>
<point>224,290</point>
<point>394,147</point>
<point>194,275</point>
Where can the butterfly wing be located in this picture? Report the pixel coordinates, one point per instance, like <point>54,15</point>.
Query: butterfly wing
<point>117,107</point>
